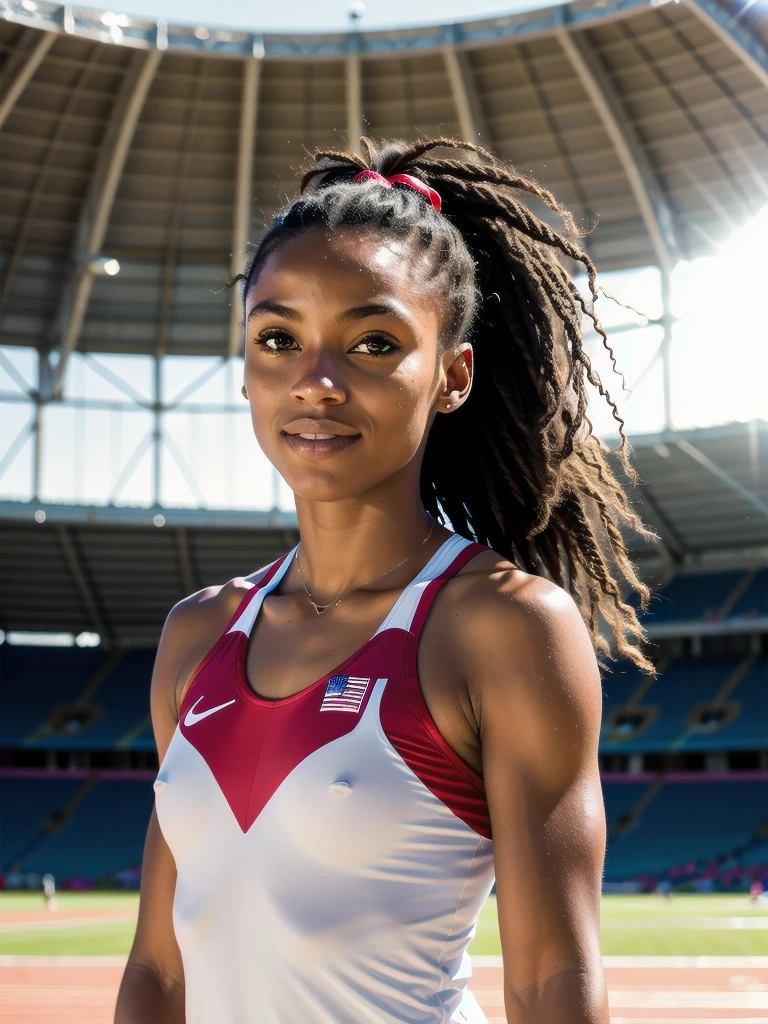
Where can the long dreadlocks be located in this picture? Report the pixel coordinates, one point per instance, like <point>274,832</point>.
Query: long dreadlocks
<point>533,481</point>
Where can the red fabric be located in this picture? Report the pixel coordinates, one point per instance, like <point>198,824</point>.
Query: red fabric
<point>404,179</point>
<point>252,745</point>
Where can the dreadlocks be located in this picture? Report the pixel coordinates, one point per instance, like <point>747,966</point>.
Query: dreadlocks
<point>516,467</point>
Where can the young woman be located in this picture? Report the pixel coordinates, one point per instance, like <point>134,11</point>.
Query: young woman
<point>359,737</point>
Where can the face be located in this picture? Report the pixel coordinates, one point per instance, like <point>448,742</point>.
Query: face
<point>342,339</point>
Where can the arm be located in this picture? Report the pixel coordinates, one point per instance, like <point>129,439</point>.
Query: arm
<point>152,987</point>
<point>535,685</point>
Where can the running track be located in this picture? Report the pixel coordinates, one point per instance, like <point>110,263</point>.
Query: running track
<point>656,990</point>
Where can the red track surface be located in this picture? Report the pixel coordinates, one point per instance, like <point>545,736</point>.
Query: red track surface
<point>85,994</point>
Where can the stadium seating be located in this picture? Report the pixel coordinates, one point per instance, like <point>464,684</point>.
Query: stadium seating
<point>39,679</point>
<point>754,601</point>
<point>696,596</point>
<point>703,819</point>
<point>700,597</point>
<point>104,832</point>
<point>686,683</point>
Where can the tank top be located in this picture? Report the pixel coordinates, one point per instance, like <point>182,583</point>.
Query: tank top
<point>332,850</point>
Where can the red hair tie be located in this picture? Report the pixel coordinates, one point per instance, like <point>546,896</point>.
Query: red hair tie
<point>404,179</point>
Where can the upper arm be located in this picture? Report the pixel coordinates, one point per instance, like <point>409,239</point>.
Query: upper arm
<point>154,945</point>
<point>191,628</point>
<point>536,687</point>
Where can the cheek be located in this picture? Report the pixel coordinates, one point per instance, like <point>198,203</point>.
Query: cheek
<point>410,401</point>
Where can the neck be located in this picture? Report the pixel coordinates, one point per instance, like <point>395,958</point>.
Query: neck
<point>345,544</point>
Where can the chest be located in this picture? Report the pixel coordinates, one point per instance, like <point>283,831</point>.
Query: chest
<point>285,657</point>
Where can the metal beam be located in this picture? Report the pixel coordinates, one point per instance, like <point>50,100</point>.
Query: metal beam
<point>144,32</point>
<point>747,47</point>
<point>42,170</point>
<point>580,204</point>
<point>273,519</point>
<point>642,178</point>
<point>81,583</point>
<point>21,65</point>
<point>185,561</point>
<point>472,123</point>
<point>177,204</point>
<point>703,460</point>
<point>97,208</point>
<point>354,82</point>
<point>241,227</point>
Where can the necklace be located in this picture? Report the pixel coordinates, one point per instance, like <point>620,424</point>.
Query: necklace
<point>322,607</point>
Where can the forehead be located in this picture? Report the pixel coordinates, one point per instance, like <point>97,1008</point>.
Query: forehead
<point>359,261</point>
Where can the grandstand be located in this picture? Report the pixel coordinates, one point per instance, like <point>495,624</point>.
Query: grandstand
<point>164,148</point>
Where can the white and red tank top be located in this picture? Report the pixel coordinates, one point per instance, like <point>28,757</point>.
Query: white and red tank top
<point>332,851</point>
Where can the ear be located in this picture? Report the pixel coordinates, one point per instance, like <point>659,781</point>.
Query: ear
<point>458,379</point>
<point>243,392</point>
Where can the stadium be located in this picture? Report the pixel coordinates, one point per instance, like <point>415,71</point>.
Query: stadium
<point>138,158</point>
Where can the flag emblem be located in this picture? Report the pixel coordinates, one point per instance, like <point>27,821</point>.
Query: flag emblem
<point>344,693</point>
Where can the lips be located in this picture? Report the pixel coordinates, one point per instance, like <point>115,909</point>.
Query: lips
<point>319,446</point>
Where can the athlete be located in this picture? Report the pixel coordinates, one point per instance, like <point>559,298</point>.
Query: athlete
<point>357,739</point>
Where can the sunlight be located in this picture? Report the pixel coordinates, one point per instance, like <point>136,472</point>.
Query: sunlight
<point>719,358</point>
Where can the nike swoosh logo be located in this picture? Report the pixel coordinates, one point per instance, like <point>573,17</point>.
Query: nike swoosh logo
<point>191,718</point>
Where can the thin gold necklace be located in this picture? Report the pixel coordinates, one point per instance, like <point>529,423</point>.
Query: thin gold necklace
<point>322,607</point>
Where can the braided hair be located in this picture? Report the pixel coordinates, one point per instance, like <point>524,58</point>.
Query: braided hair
<point>533,482</point>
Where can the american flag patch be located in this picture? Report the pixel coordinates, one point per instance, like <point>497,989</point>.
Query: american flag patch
<point>344,693</point>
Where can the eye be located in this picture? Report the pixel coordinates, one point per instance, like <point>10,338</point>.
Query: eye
<point>376,340</point>
<point>377,344</point>
<point>273,334</point>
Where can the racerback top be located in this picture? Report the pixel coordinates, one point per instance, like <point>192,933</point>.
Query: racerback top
<point>332,851</point>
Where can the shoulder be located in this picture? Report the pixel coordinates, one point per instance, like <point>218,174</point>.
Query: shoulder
<point>193,626</point>
<point>525,651</point>
<point>495,594</point>
<point>211,605</point>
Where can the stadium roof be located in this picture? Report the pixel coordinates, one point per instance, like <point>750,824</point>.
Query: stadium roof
<point>113,571</point>
<point>167,147</point>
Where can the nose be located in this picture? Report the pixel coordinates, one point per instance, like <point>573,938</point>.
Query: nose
<point>319,383</point>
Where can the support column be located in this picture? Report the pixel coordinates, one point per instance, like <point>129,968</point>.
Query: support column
<point>157,435</point>
<point>241,227</point>
<point>468,111</point>
<point>354,102</point>
<point>666,344</point>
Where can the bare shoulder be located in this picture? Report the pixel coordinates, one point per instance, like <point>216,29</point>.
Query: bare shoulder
<point>521,638</point>
<point>494,590</point>
<point>207,606</point>
<point>191,629</point>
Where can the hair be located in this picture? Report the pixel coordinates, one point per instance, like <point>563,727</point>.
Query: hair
<point>516,467</point>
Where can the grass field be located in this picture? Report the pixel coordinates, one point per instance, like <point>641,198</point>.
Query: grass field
<point>687,925</point>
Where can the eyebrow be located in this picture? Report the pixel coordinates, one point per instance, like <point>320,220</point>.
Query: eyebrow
<point>348,316</point>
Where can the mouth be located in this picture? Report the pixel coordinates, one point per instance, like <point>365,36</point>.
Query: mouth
<point>318,446</point>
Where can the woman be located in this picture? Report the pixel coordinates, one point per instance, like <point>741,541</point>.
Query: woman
<point>320,851</point>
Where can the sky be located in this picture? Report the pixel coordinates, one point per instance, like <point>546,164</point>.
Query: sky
<point>301,15</point>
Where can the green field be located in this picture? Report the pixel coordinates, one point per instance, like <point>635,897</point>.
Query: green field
<point>688,925</point>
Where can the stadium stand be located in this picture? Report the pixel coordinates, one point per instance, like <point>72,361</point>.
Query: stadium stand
<point>684,821</point>
<point>697,704</point>
<point>709,597</point>
<point>74,828</point>
<point>70,698</point>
